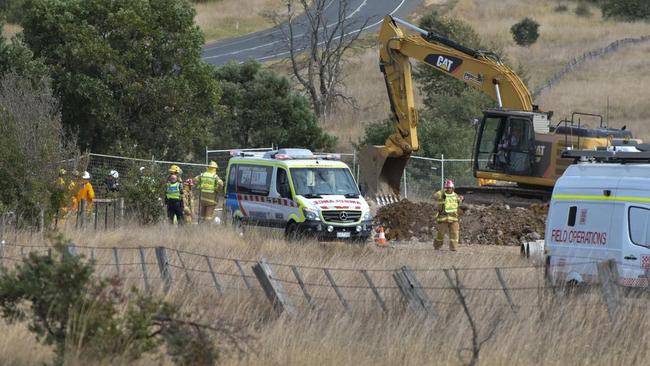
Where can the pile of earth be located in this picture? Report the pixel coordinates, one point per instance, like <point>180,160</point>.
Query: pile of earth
<point>494,224</point>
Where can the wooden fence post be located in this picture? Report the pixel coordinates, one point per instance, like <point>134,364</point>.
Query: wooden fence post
<point>301,283</point>
<point>187,274</point>
<point>2,252</point>
<point>116,256</point>
<point>374,290</point>
<point>416,298</point>
<point>608,276</point>
<point>344,302</point>
<point>505,289</point>
<point>214,275</point>
<point>273,289</point>
<point>163,266</point>
<point>243,275</point>
<point>144,269</point>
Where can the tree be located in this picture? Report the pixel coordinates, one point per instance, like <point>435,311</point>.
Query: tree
<point>128,73</point>
<point>16,57</point>
<point>261,109</point>
<point>525,32</point>
<point>32,145</point>
<point>325,41</point>
<point>629,10</point>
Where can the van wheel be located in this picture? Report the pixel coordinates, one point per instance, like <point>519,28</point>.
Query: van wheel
<point>292,233</point>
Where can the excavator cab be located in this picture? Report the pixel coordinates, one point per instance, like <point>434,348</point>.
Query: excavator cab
<point>506,143</point>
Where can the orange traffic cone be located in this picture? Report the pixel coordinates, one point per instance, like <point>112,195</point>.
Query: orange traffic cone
<point>380,239</point>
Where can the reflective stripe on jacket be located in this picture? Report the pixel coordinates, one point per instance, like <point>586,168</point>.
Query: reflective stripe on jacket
<point>173,191</point>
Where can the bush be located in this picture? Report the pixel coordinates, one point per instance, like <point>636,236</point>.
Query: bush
<point>561,8</point>
<point>95,320</point>
<point>583,10</point>
<point>629,10</point>
<point>142,193</point>
<point>525,33</point>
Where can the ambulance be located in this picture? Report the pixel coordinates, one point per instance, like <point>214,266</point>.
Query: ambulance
<point>298,192</point>
<point>600,210</point>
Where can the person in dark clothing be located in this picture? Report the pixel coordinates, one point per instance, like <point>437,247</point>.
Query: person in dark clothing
<point>174,199</point>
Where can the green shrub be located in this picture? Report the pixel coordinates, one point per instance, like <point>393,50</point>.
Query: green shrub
<point>89,319</point>
<point>629,10</point>
<point>142,194</point>
<point>525,33</point>
<point>583,10</point>
<point>561,8</point>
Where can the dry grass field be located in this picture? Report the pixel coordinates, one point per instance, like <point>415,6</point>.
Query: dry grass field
<point>230,18</point>
<point>546,329</point>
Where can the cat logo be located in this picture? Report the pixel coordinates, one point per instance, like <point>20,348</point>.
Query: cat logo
<point>443,62</point>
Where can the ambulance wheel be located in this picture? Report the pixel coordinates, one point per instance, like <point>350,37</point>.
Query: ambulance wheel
<point>292,233</point>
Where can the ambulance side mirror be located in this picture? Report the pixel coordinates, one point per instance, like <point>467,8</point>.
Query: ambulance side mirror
<point>362,189</point>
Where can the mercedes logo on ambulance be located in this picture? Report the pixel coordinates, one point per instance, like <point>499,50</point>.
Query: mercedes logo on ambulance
<point>343,216</point>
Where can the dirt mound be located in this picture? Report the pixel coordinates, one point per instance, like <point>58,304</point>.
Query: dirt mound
<point>494,224</point>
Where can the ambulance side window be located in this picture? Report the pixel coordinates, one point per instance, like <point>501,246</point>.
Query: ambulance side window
<point>572,215</point>
<point>638,223</point>
<point>232,178</point>
<point>254,179</point>
<point>282,183</point>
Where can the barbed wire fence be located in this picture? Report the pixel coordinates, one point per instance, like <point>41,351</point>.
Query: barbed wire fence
<point>587,56</point>
<point>293,287</point>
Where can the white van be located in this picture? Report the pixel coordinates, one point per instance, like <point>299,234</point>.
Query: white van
<point>599,211</point>
<point>298,192</point>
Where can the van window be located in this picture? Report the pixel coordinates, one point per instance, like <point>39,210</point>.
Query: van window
<point>282,184</point>
<point>254,179</point>
<point>232,178</point>
<point>572,215</point>
<point>639,220</point>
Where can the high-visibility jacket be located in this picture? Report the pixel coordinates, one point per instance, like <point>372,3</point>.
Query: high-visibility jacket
<point>173,191</point>
<point>87,194</point>
<point>209,183</point>
<point>448,204</point>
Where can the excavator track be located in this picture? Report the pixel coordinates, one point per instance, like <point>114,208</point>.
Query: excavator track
<point>512,196</point>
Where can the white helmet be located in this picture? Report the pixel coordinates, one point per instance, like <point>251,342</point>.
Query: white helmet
<point>114,174</point>
<point>85,175</point>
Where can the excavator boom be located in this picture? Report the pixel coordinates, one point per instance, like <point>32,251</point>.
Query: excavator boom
<point>382,167</point>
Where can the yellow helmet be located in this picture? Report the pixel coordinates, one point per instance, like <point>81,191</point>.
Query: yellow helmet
<point>174,169</point>
<point>213,164</point>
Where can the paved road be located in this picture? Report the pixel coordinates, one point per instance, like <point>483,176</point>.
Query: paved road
<point>271,43</point>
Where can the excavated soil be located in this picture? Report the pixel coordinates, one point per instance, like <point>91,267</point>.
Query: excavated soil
<point>496,224</point>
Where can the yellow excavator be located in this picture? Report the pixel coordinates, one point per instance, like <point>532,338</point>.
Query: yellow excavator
<point>515,142</point>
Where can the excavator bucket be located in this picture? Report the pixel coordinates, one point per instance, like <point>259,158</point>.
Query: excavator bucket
<point>380,174</point>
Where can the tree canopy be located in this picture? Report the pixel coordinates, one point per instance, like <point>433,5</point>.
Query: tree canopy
<point>128,73</point>
<point>261,109</point>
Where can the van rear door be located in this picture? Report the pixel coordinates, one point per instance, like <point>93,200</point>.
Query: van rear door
<point>636,250</point>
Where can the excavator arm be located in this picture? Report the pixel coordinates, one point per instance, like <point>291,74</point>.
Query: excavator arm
<point>382,167</point>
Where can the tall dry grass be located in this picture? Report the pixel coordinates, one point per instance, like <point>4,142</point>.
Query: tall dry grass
<point>230,18</point>
<point>546,329</point>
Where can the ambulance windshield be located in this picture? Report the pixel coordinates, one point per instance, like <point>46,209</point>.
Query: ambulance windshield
<point>323,181</point>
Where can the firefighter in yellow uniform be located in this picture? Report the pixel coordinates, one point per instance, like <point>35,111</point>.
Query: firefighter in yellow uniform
<point>208,184</point>
<point>447,205</point>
